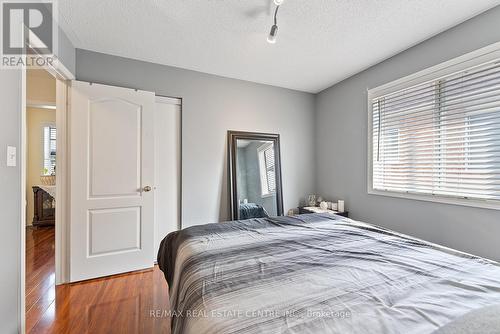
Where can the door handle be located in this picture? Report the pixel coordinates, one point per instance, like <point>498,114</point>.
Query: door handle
<point>146,189</point>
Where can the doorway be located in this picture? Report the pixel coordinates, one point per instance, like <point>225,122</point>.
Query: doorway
<point>43,155</point>
<point>40,193</point>
<point>40,307</point>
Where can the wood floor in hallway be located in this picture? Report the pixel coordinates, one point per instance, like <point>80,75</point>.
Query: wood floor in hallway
<point>129,303</point>
<point>40,273</point>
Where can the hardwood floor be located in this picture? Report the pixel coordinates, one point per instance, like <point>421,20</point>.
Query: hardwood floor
<point>40,273</point>
<point>129,303</point>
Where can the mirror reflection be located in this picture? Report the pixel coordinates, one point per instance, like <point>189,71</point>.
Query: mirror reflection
<point>256,178</point>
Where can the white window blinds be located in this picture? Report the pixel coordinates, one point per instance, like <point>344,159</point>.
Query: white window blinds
<point>441,137</point>
<point>269,157</point>
<point>49,150</point>
<point>267,170</point>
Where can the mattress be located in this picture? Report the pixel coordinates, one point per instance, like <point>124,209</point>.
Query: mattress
<point>318,273</point>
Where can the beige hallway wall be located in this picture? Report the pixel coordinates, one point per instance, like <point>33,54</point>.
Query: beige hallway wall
<point>36,120</point>
<point>41,89</point>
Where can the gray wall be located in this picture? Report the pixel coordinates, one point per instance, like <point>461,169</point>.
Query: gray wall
<point>341,145</point>
<point>66,51</point>
<point>213,105</point>
<point>10,195</point>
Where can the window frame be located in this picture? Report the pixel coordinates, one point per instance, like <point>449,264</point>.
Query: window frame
<point>479,57</point>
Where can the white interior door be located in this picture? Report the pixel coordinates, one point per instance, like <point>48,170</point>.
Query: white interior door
<point>112,175</point>
<point>167,167</point>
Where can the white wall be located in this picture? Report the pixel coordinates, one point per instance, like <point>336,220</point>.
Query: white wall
<point>341,145</point>
<point>213,105</point>
<point>10,198</point>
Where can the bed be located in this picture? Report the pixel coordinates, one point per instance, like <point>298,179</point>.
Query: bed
<point>252,210</point>
<point>318,273</point>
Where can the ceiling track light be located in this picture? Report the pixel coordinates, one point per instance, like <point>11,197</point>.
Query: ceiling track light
<point>271,38</point>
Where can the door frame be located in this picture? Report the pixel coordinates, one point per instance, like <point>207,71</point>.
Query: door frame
<point>178,102</point>
<point>62,76</point>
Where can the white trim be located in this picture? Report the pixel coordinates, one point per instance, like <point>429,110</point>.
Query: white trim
<point>485,204</point>
<point>41,104</point>
<point>23,202</point>
<point>168,100</point>
<point>59,71</point>
<point>56,68</point>
<point>484,55</point>
<point>62,189</point>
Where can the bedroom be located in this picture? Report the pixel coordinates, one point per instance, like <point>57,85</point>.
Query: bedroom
<point>322,86</point>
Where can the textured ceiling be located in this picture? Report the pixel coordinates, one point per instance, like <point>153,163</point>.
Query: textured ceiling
<point>320,42</point>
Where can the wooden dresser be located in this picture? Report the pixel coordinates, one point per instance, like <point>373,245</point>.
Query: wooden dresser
<point>44,208</point>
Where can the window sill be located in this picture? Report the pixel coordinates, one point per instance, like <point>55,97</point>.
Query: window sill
<point>483,204</point>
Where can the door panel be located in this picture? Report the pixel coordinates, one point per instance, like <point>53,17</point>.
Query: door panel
<point>116,148</point>
<point>105,222</point>
<point>112,161</point>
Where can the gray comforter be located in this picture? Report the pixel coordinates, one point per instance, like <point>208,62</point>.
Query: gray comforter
<point>318,274</point>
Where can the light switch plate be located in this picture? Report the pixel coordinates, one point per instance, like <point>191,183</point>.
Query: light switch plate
<point>11,156</point>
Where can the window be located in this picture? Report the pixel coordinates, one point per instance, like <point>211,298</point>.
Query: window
<point>438,139</point>
<point>266,166</point>
<point>49,150</point>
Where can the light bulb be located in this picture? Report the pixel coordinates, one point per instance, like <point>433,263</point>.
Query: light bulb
<point>278,2</point>
<point>272,34</point>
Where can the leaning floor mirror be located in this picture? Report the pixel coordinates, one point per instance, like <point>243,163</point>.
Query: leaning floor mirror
<point>255,175</point>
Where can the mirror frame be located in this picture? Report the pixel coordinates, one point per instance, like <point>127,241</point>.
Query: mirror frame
<point>233,137</point>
